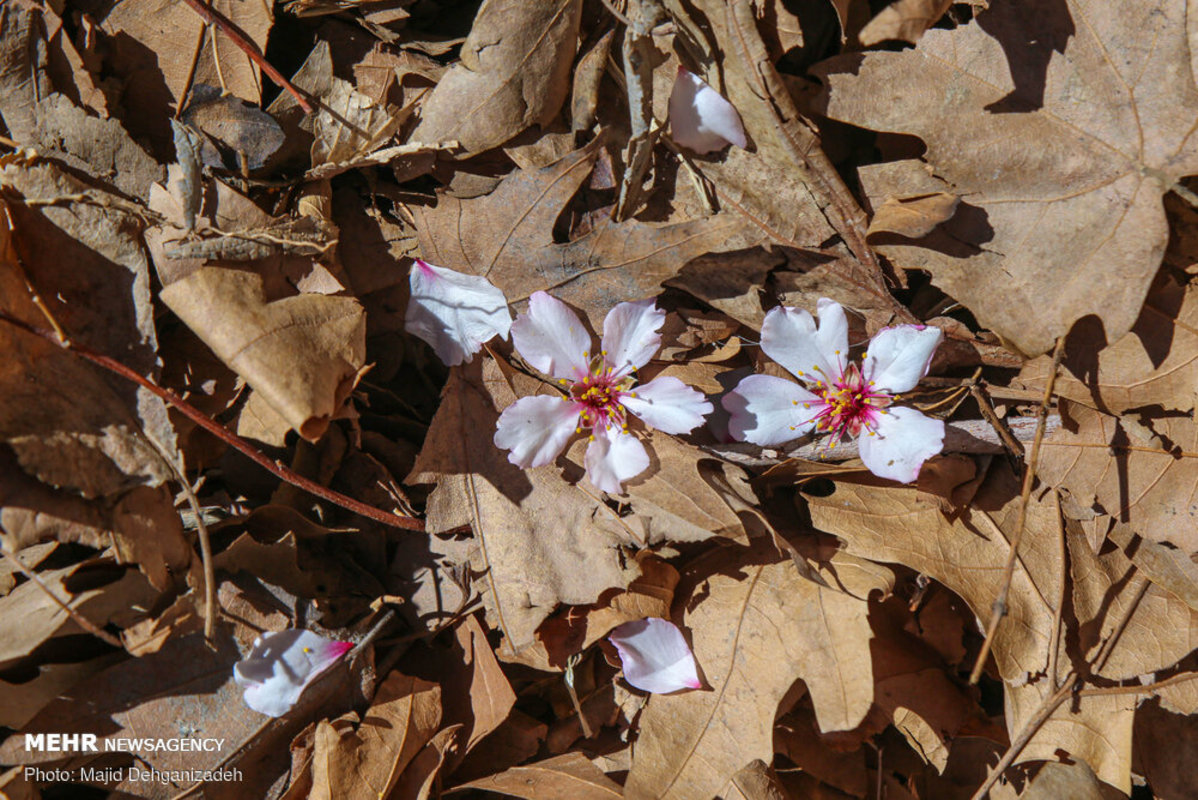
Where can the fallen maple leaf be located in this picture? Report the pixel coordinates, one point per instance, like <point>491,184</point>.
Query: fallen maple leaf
<point>1074,225</point>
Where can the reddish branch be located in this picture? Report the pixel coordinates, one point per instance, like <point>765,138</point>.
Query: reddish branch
<point>220,431</point>
<point>239,38</point>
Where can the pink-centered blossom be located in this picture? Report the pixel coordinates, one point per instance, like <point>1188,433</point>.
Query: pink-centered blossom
<point>655,656</point>
<point>281,666</point>
<point>841,398</point>
<point>597,388</point>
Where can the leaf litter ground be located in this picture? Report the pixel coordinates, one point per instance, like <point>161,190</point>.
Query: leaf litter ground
<point>217,426</point>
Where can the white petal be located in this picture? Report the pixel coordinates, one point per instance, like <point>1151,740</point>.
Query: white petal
<point>281,665</point>
<point>551,338</point>
<point>655,656</point>
<point>790,337</point>
<point>453,312</point>
<point>902,441</point>
<point>898,357</point>
<point>613,457</point>
<point>701,119</point>
<point>769,411</point>
<point>630,334</point>
<point>669,405</point>
<point>536,429</point>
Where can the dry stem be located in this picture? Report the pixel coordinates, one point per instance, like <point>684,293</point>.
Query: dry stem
<point>999,608</point>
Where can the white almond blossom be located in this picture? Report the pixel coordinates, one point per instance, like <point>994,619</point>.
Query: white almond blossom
<point>841,398</point>
<point>597,390</point>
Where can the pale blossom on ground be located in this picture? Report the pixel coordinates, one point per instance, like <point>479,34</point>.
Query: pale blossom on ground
<point>841,398</point>
<point>281,665</point>
<point>454,312</point>
<point>597,388</point>
<point>655,656</point>
<point>700,118</point>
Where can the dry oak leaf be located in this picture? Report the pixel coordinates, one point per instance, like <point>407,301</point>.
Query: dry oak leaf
<point>303,354</point>
<point>540,540</point>
<point>967,554</point>
<point>904,19</point>
<point>1155,363</point>
<point>1165,565</point>
<point>514,73</point>
<point>363,760</point>
<point>569,775</point>
<point>507,236</point>
<point>757,781</point>
<point>1075,224</point>
<point>1104,464</point>
<point>756,627</point>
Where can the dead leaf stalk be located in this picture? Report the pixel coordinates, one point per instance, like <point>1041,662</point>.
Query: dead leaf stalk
<point>222,433</point>
<point>1054,643</point>
<point>235,34</point>
<point>80,620</point>
<point>999,607</point>
<point>1000,427</point>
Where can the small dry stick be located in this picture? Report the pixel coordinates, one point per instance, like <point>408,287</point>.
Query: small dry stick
<point>81,620</point>
<point>235,34</point>
<point>999,609</point>
<point>221,432</point>
<point>1062,577</point>
<point>1148,688</point>
<point>1000,427</point>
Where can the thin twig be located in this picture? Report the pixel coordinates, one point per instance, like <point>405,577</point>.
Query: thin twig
<point>80,620</point>
<point>202,535</point>
<point>1148,688</point>
<point>220,431</point>
<point>999,609</point>
<point>191,72</point>
<point>1062,578</point>
<point>238,37</point>
<point>1000,427</point>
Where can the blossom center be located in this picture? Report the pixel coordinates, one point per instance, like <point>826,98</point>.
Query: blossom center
<point>849,404</point>
<point>598,397</point>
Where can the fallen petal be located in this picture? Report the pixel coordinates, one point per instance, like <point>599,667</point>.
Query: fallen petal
<point>903,440</point>
<point>770,411</point>
<point>455,313</point>
<point>668,405</point>
<point>630,334</point>
<point>655,656</point>
<point>281,665</point>
<point>813,353</point>
<point>551,338</point>
<point>701,119</point>
<point>536,429</point>
<point>898,357</point>
<point>614,456</point>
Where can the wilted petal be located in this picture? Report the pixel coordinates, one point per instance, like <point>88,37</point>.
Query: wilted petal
<point>613,457</point>
<point>700,119</point>
<point>791,337</point>
<point>655,656</point>
<point>630,334</point>
<point>903,440</point>
<point>536,429</point>
<point>769,411</point>
<point>668,405</point>
<point>281,665</point>
<point>453,312</point>
<point>898,357</point>
<point>551,338</point>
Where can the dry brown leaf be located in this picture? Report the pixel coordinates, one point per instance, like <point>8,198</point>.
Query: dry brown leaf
<point>905,20</point>
<point>797,737</point>
<point>914,216</point>
<point>514,73</point>
<point>513,245</point>
<point>304,354</point>
<point>967,554</point>
<point>1166,566</point>
<point>534,530</point>
<point>364,760</point>
<point>1166,748</point>
<point>756,627</point>
<point>1049,228</point>
<point>570,775</point>
<point>1149,487</point>
<point>1154,364</point>
<point>756,781</point>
